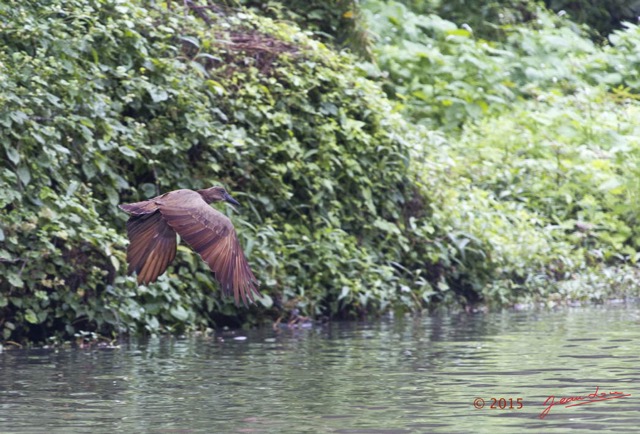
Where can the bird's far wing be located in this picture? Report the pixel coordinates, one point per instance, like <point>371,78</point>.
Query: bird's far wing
<point>152,245</point>
<point>139,208</point>
<point>211,234</point>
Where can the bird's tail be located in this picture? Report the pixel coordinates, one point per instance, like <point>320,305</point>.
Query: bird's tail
<point>139,208</point>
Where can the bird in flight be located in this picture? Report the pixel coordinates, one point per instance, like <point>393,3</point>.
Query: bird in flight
<point>152,229</point>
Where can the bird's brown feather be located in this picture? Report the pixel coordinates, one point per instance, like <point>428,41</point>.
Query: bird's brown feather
<point>152,246</point>
<point>152,231</point>
<point>211,234</point>
<point>140,208</point>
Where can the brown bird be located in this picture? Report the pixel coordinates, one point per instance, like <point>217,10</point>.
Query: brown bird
<point>152,230</point>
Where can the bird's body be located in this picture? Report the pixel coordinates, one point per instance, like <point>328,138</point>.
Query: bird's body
<point>152,230</point>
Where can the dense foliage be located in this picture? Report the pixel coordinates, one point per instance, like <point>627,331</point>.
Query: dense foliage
<point>602,17</point>
<point>450,168</point>
<point>337,22</point>
<point>492,19</point>
<point>538,164</point>
<point>105,102</point>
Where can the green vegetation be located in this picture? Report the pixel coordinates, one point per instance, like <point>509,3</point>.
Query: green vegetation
<point>450,168</point>
<point>494,18</point>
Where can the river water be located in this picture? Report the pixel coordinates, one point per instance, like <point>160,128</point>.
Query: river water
<point>393,376</point>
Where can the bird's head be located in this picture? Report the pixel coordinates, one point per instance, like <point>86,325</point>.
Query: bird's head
<point>217,194</point>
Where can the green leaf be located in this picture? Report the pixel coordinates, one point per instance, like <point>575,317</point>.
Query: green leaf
<point>191,40</point>
<point>18,117</point>
<point>30,316</point>
<point>15,280</point>
<point>24,175</point>
<point>266,301</point>
<point>179,313</point>
<point>13,155</point>
<point>71,189</point>
<point>208,56</point>
<point>158,94</point>
<point>89,170</point>
<point>458,32</point>
<point>127,151</point>
<point>344,292</point>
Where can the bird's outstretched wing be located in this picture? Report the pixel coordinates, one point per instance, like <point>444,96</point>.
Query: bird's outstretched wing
<point>211,234</point>
<point>152,242</point>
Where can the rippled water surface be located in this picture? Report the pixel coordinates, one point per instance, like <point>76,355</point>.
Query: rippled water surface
<point>401,376</point>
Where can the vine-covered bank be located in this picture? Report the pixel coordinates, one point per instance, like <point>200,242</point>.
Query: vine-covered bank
<point>442,170</point>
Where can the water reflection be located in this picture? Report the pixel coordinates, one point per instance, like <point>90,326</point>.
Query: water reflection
<point>402,376</point>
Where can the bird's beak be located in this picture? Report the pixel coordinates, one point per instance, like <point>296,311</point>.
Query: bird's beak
<point>228,198</point>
